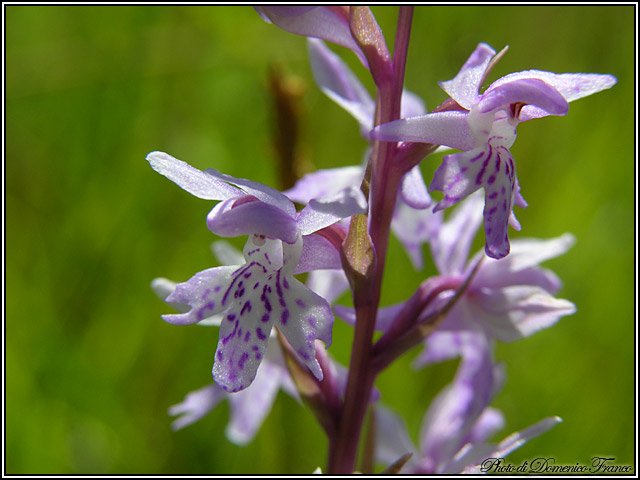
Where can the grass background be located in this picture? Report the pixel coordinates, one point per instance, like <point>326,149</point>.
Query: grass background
<point>90,90</point>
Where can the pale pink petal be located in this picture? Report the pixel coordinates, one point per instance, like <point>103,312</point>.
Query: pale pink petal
<point>191,179</point>
<point>464,87</point>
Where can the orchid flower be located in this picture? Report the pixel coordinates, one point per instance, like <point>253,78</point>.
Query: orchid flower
<point>484,126</point>
<point>250,406</point>
<point>263,291</point>
<point>340,84</point>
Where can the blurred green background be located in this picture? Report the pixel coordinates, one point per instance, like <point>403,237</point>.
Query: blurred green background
<point>90,90</point>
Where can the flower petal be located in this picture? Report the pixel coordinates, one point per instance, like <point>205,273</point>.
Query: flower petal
<point>340,84</point>
<point>329,284</point>
<point>457,175</point>
<point>317,254</point>
<point>262,192</point>
<point>321,22</point>
<point>473,457</point>
<point>457,408</point>
<point>320,213</point>
<point>413,190</point>
<point>442,128</point>
<point>283,11</point>
<point>204,293</point>
<point>244,333</point>
<point>571,86</point>
<point>250,406</point>
<point>392,440</point>
<point>196,405</point>
<point>323,183</point>
<point>303,317</point>
<point>530,91</point>
<point>411,105</point>
<point>464,87</point>
<point>491,167</point>
<point>520,267</point>
<point>519,311</point>
<point>246,216</point>
<point>413,228</point>
<point>450,246</point>
<point>491,420</point>
<point>191,179</point>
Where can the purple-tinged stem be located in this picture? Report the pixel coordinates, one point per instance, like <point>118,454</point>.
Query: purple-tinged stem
<point>385,181</point>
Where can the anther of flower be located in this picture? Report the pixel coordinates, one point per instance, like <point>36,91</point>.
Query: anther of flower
<point>483,125</point>
<point>341,85</point>
<point>262,292</point>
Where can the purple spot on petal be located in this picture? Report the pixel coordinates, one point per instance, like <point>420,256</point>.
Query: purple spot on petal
<point>279,291</point>
<point>265,318</point>
<point>491,179</point>
<point>246,308</point>
<point>205,294</point>
<point>243,358</point>
<point>504,205</point>
<point>202,311</point>
<point>258,356</point>
<point>256,285</point>
<point>303,354</point>
<point>231,317</point>
<point>493,210</point>
<point>477,157</point>
<point>217,288</point>
<point>261,335</point>
<point>241,271</point>
<point>230,336</point>
<point>285,283</point>
<point>504,190</point>
<point>247,336</point>
<point>219,354</point>
<point>493,196</point>
<point>300,303</point>
<point>312,322</point>
<point>284,317</point>
<point>255,348</point>
<point>247,275</point>
<point>240,332</point>
<point>267,258</point>
<point>484,166</point>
